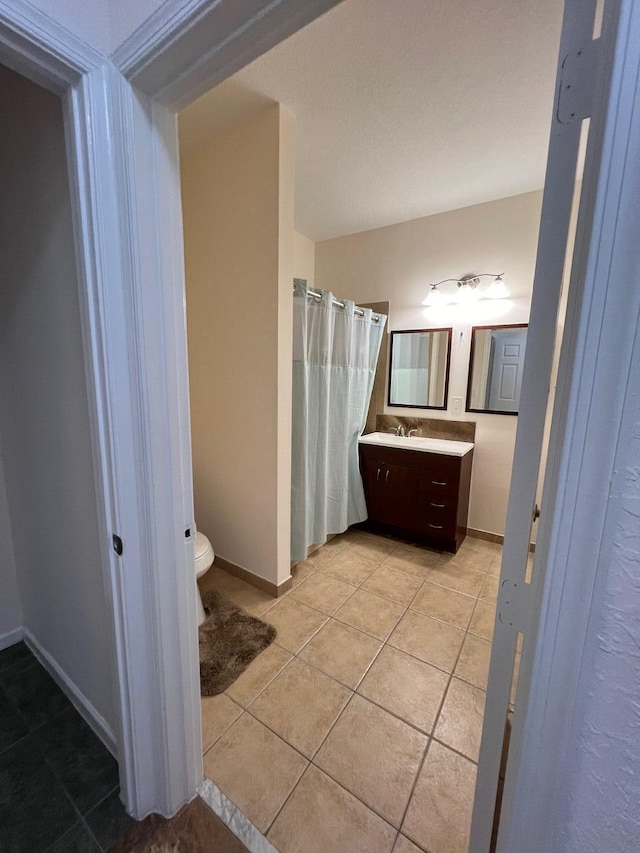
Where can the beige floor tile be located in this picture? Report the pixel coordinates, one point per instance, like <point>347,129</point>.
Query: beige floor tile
<point>342,652</point>
<point>432,641</point>
<point>370,613</point>
<point>300,573</point>
<point>218,712</point>
<point>403,845</point>
<point>473,663</point>
<point>460,721</point>
<point>412,561</point>
<point>320,816</point>
<point>301,705</point>
<point>374,756</point>
<point>482,546</point>
<point>444,604</point>
<point>458,578</point>
<point>392,584</point>
<point>258,675</point>
<point>348,567</point>
<point>439,814</point>
<point>251,600</point>
<point>407,687</point>
<point>326,552</point>
<point>239,592</point>
<point>483,619</point>
<point>489,591</point>
<point>323,592</point>
<point>295,623</point>
<point>255,769</point>
<point>470,559</point>
<point>495,566</point>
<point>373,548</point>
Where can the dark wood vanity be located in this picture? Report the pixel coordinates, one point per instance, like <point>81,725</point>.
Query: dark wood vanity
<point>419,496</point>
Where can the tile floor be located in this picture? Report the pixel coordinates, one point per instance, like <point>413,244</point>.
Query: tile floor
<point>359,729</point>
<point>58,783</point>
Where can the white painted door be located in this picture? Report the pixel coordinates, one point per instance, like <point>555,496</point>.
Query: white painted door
<point>507,361</point>
<point>583,70</point>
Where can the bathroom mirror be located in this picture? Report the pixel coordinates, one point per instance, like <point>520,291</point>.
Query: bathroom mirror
<point>419,368</point>
<point>495,369</point>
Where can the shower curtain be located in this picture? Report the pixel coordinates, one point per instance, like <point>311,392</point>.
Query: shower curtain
<point>335,352</point>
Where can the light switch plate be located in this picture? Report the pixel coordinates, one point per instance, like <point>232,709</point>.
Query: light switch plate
<point>456,404</point>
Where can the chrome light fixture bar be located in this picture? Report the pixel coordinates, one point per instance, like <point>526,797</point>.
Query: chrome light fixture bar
<point>467,289</point>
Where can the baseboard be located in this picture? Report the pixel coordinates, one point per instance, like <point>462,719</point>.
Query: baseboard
<point>255,580</point>
<point>11,638</point>
<point>80,702</point>
<point>492,537</point>
<point>484,534</point>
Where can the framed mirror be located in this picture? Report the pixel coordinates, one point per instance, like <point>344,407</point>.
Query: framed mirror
<point>495,369</point>
<point>419,368</point>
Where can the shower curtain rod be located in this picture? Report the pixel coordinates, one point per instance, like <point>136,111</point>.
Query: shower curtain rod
<point>318,296</point>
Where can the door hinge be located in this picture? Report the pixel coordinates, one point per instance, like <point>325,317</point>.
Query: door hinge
<point>578,83</point>
<point>117,544</point>
<point>514,604</point>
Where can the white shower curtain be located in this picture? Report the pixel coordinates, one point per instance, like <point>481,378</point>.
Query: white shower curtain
<point>335,352</point>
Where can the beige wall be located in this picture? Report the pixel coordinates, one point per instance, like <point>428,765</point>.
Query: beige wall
<point>398,262</point>
<point>304,258</point>
<point>238,223</point>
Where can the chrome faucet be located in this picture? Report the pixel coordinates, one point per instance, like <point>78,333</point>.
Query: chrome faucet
<point>412,432</point>
<point>399,430</point>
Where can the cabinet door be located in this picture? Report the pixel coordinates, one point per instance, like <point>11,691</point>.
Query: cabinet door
<point>373,478</point>
<point>401,488</point>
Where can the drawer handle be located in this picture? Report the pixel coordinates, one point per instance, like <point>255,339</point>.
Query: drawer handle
<point>436,526</point>
<point>378,474</point>
<point>439,506</point>
<point>386,476</point>
<point>437,483</point>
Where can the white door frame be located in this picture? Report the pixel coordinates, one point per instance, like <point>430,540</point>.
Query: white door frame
<point>120,119</point>
<point>121,131</point>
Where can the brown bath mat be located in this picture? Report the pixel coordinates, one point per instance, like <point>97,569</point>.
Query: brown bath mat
<point>229,640</point>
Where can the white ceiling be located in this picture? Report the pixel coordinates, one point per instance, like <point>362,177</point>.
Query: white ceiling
<point>404,108</point>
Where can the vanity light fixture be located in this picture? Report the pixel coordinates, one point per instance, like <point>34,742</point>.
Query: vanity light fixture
<point>497,289</point>
<point>434,297</point>
<point>468,290</point>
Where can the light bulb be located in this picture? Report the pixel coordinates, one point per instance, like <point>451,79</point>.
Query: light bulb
<point>434,297</point>
<point>467,294</point>
<point>497,289</point>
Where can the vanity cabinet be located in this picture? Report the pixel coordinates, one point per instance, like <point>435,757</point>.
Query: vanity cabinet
<point>419,496</point>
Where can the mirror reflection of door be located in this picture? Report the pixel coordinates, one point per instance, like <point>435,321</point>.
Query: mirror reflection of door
<point>495,369</point>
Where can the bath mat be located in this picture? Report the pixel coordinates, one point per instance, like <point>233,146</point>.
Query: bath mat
<point>229,640</point>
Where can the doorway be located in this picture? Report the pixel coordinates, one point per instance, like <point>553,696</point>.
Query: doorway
<point>58,752</point>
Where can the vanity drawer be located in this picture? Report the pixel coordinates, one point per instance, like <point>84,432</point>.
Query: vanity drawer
<point>436,484</point>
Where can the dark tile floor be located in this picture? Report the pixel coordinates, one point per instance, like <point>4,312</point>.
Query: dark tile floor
<point>58,783</point>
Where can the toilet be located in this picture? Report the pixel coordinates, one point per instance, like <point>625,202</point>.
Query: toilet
<point>204,558</point>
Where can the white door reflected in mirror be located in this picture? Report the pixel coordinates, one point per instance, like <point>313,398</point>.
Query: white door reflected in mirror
<point>495,369</point>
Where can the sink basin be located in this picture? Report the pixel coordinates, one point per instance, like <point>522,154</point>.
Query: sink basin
<point>422,445</point>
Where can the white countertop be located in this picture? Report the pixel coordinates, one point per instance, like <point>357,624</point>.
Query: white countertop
<point>416,443</point>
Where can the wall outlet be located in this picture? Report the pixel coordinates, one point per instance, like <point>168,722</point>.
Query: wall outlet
<point>456,404</point>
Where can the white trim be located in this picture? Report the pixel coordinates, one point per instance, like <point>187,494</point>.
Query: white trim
<point>513,610</point>
<point>575,539</point>
<point>38,47</point>
<point>187,48</point>
<point>10,638</point>
<point>77,698</point>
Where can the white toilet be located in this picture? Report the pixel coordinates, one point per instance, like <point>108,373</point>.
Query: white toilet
<point>204,559</point>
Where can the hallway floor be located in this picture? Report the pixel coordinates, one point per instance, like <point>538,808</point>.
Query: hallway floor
<point>359,728</point>
<point>58,783</point>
